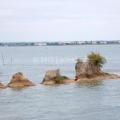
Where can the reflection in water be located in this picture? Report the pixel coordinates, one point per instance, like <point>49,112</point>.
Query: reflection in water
<point>19,88</point>
<point>90,84</point>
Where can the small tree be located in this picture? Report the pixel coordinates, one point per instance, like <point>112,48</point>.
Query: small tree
<point>79,60</point>
<point>97,58</point>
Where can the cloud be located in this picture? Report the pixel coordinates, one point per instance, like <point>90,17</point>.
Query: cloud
<point>58,19</point>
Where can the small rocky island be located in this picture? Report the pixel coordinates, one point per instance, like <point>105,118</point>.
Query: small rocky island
<point>2,86</point>
<point>87,71</point>
<point>18,80</point>
<point>91,69</point>
<point>54,77</point>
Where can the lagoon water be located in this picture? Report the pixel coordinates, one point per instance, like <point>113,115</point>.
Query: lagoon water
<point>87,101</point>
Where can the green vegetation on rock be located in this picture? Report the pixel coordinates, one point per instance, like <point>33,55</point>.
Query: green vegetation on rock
<point>97,58</point>
<point>58,79</point>
<point>79,60</point>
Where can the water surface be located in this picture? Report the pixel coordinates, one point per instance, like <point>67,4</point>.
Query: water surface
<point>86,101</point>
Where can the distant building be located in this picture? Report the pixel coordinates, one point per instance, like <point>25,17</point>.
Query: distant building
<point>103,42</point>
<point>40,44</point>
<point>94,42</point>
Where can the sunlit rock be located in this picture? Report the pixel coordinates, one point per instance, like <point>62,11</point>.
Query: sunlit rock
<point>53,77</point>
<point>2,86</point>
<point>18,80</point>
<point>90,71</point>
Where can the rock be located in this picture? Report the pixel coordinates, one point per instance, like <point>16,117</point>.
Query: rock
<point>18,80</point>
<point>89,71</point>
<point>2,86</point>
<point>53,77</point>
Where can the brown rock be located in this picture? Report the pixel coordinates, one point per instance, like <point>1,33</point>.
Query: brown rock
<point>53,77</point>
<point>87,71</point>
<point>18,80</point>
<point>2,86</point>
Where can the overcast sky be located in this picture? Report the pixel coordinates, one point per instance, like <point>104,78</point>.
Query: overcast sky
<point>59,20</point>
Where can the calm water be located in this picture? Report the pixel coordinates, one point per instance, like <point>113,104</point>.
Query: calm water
<point>88,101</point>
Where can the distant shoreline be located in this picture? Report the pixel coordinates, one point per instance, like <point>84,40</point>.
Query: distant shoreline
<point>61,43</point>
<point>56,45</point>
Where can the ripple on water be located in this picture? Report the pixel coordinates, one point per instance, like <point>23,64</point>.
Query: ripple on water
<point>98,100</point>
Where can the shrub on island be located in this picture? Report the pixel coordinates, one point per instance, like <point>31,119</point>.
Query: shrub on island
<point>91,68</point>
<point>53,77</point>
<point>97,59</point>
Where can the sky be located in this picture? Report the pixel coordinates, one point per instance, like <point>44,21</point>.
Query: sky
<point>59,20</point>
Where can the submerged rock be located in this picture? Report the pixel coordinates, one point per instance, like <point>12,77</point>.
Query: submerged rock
<point>2,86</point>
<point>53,77</point>
<point>90,71</point>
<point>18,80</point>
